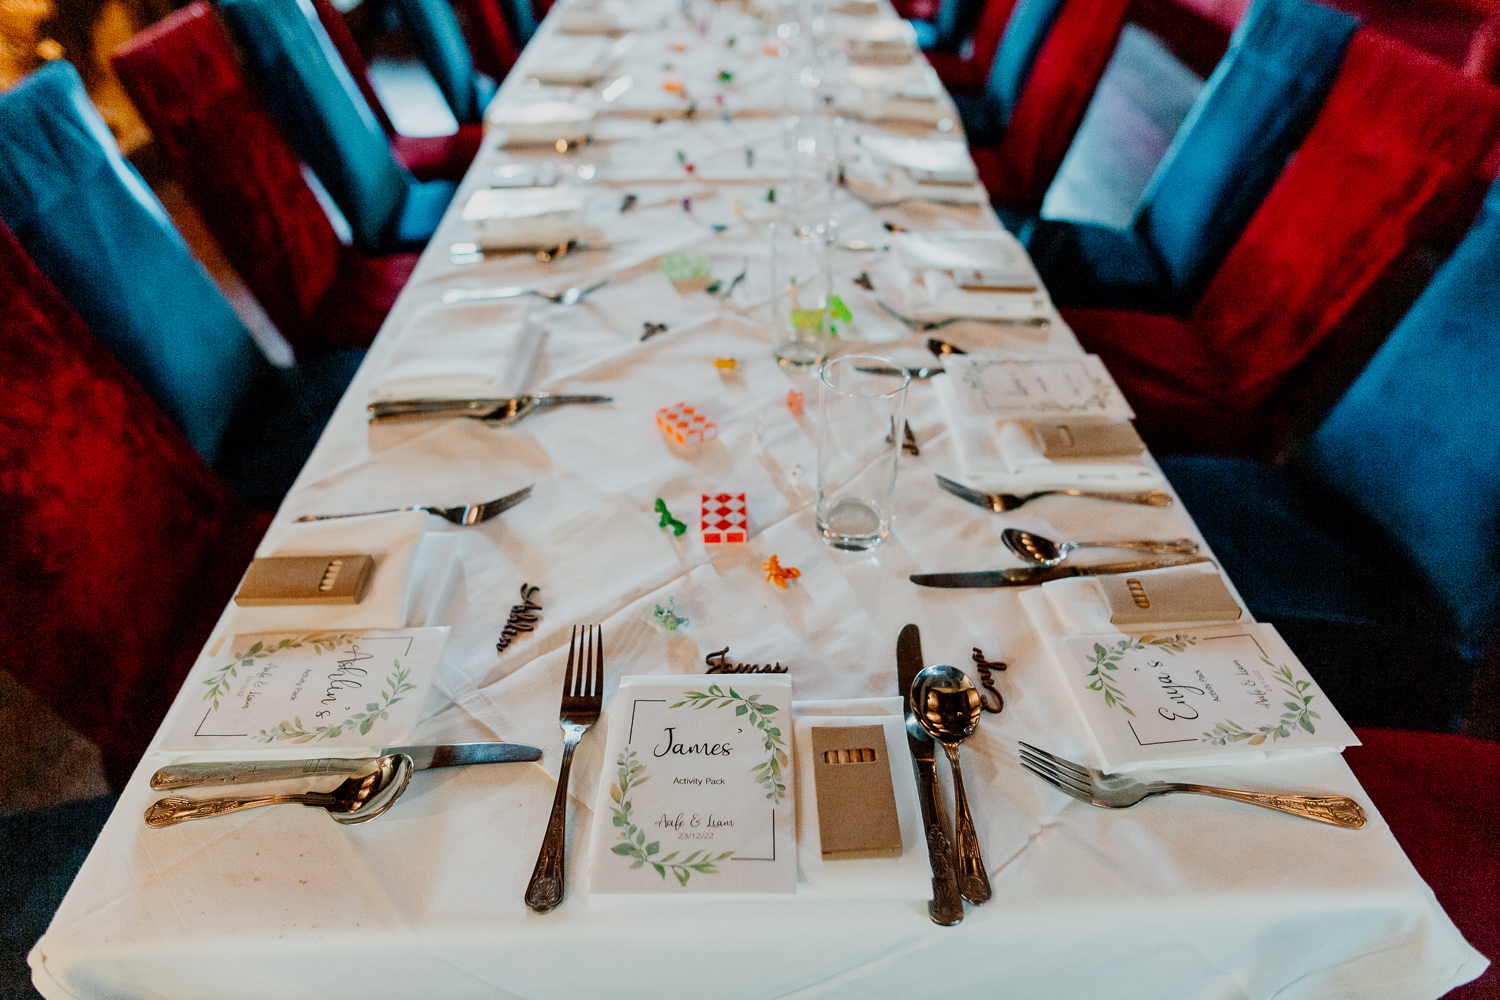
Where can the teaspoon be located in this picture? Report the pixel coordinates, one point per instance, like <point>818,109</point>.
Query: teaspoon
<point>947,704</point>
<point>1040,550</point>
<point>359,798</point>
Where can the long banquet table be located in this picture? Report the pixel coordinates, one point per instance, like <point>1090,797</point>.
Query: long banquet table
<point>1183,897</point>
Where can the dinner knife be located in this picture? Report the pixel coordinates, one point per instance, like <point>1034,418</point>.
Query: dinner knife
<point>946,907</point>
<point>1030,576</point>
<point>389,410</point>
<point>241,772</point>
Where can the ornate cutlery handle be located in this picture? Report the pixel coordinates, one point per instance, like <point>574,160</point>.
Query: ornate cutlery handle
<point>190,775</point>
<point>1148,498</point>
<point>973,880</point>
<point>178,809</point>
<point>947,906</point>
<point>1145,545</point>
<point>1337,810</point>
<point>545,890</point>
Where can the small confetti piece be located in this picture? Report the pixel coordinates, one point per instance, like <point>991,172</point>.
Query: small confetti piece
<point>795,402</point>
<point>677,46</point>
<point>725,76</point>
<point>685,426</point>
<point>749,158</point>
<point>667,520</point>
<point>719,227</point>
<point>863,281</point>
<point>652,329</point>
<point>667,617</point>
<point>724,519</point>
<point>628,203</point>
<point>725,117</point>
<point>728,364</point>
<point>690,111</point>
<point>770,49</point>
<point>687,203</point>
<point>681,156</point>
<point>771,195</point>
<point>672,83</point>
<point>778,574</point>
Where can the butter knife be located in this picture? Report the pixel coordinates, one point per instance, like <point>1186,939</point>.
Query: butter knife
<point>946,907</point>
<point>1030,576</point>
<point>242,772</point>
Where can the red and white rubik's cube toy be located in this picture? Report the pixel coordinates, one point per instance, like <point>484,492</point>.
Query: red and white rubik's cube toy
<point>725,519</point>
<point>685,426</point>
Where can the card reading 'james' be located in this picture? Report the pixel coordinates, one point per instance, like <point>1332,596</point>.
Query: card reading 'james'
<point>696,795</point>
<point>309,691</point>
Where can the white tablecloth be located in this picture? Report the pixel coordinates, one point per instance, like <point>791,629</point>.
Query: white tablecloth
<point>1182,897</point>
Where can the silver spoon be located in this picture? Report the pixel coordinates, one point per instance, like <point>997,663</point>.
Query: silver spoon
<point>567,297</point>
<point>359,798</point>
<point>947,704</point>
<point>1043,551</point>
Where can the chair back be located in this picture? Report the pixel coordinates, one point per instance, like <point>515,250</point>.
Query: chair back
<point>441,42</point>
<point>1415,442</point>
<point>520,20</point>
<point>491,44</point>
<point>224,151</point>
<point>354,60</point>
<point>1026,29</point>
<point>97,231</point>
<point>322,114</point>
<point>955,21</point>
<point>120,546</point>
<point>1250,115</point>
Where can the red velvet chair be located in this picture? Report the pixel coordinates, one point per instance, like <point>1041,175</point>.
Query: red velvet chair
<point>1440,794</point>
<point>428,157</point>
<point>225,152</point>
<point>121,547</point>
<point>1396,158</point>
<point>1051,104</point>
<point>490,42</point>
<point>965,73</point>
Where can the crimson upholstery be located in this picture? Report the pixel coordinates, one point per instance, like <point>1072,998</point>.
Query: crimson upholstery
<point>120,546</point>
<point>490,41</point>
<point>1440,795</point>
<point>1049,105</point>
<point>224,151</point>
<point>428,157</point>
<point>1396,157</point>
<point>964,72</point>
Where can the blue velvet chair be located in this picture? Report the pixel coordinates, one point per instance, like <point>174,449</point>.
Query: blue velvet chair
<point>98,233</point>
<point>986,114</point>
<point>955,21</point>
<point>1248,120</point>
<point>1377,551</point>
<point>520,21</point>
<point>440,40</point>
<point>310,93</point>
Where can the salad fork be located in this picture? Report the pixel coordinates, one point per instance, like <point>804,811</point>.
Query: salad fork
<point>582,699</point>
<point>474,513</point>
<point>1117,791</point>
<point>1001,502</point>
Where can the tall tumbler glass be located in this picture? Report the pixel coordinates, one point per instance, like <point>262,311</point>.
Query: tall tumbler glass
<point>803,310</point>
<point>862,420</point>
<point>812,144</point>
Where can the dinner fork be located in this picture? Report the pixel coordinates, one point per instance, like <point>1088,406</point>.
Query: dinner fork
<point>1116,791</point>
<point>923,325</point>
<point>475,513</point>
<point>1001,502</point>
<point>566,297</point>
<point>583,697</point>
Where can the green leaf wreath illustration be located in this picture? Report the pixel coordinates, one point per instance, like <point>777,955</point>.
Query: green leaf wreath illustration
<point>633,844</point>
<point>218,683</point>
<point>396,685</point>
<point>756,712</point>
<point>1297,715</point>
<point>1106,660</point>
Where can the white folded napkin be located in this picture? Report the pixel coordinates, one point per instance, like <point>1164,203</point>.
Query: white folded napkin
<point>928,160</point>
<point>472,350</point>
<point>395,541</point>
<point>892,187</point>
<point>996,454</point>
<point>525,218</point>
<point>906,877</point>
<point>932,295</point>
<point>1079,607</point>
<point>541,123</point>
<point>567,62</point>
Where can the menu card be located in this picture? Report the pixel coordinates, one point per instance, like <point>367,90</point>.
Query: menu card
<point>309,690</point>
<point>696,794</point>
<point>1180,697</point>
<point>1022,387</point>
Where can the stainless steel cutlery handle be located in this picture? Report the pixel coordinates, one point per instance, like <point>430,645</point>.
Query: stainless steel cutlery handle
<point>973,880</point>
<point>1337,810</point>
<point>947,905</point>
<point>359,513</point>
<point>545,890</point>
<point>1147,498</point>
<point>176,809</point>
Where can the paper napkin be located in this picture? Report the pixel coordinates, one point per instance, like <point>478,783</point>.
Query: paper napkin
<point>470,350</point>
<point>567,62</point>
<point>541,123</point>
<point>525,218</point>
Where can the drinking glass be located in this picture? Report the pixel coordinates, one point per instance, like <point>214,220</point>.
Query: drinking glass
<point>812,145</point>
<point>861,422</point>
<point>804,311</point>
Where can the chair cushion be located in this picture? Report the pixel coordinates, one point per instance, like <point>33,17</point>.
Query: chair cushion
<point>1342,594</point>
<point>439,157</point>
<point>420,214</point>
<point>274,433</point>
<point>95,229</point>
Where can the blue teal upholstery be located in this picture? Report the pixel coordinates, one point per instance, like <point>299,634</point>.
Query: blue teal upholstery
<point>1377,552</point>
<point>98,233</point>
<point>955,22</point>
<point>325,119</point>
<point>1250,117</point>
<point>520,20</point>
<point>985,115</point>
<point>439,39</point>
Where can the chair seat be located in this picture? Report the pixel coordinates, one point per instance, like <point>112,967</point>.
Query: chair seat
<point>439,157</point>
<point>351,311</point>
<point>421,212</point>
<point>1346,600</point>
<point>277,426</point>
<point>1097,267</point>
<point>1440,794</point>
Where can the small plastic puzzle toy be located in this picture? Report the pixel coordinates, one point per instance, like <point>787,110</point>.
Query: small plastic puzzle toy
<point>778,574</point>
<point>684,426</point>
<point>794,402</point>
<point>667,520</point>
<point>725,519</point>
